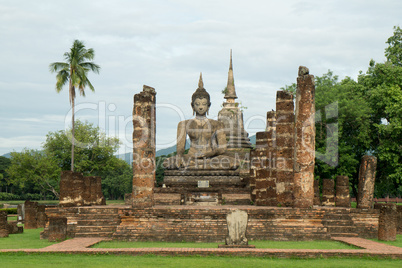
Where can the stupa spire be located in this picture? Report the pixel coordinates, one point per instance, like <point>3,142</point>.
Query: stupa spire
<point>230,88</point>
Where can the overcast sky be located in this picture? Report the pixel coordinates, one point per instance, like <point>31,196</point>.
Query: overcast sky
<point>165,45</point>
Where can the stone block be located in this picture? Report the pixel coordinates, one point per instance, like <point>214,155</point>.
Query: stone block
<point>317,198</point>
<point>3,224</point>
<point>31,215</point>
<point>387,224</point>
<point>342,191</point>
<point>57,230</point>
<point>328,192</point>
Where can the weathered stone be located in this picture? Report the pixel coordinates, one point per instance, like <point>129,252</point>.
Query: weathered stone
<point>79,190</point>
<point>57,230</point>
<point>399,219</point>
<point>144,134</point>
<point>367,171</point>
<point>31,214</point>
<point>237,226</point>
<point>342,191</point>
<point>317,198</point>
<point>41,217</point>
<point>304,135</point>
<point>387,222</point>
<point>3,224</point>
<point>328,192</point>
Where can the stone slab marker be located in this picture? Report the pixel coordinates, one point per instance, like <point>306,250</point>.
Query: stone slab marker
<point>387,224</point>
<point>365,194</point>
<point>144,148</point>
<point>304,151</point>
<point>284,147</point>
<point>3,224</point>
<point>237,225</point>
<point>328,192</point>
<point>342,192</point>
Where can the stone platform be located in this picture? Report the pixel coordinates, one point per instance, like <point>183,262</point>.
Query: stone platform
<point>208,223</point>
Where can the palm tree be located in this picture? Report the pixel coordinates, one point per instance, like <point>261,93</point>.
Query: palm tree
<point>74,71</point>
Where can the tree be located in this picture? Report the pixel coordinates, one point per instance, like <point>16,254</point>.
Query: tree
<point>31,166</point>
<point>394,50</point>
<point>75,70</point>
<point>93,152</point>
<point>4,164</point>
<point>31,169</point>
<point>383,90</point>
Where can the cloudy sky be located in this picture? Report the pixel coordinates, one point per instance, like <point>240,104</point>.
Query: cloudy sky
<point>166,44</point>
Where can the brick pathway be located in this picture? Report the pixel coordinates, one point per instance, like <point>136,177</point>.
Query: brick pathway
<point>81,245</point>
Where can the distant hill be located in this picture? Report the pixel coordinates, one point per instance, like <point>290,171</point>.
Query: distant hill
<point>8,155</point>
<point>128,157</point>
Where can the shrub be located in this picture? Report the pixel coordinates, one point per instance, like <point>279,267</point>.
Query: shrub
<point>10,210</point>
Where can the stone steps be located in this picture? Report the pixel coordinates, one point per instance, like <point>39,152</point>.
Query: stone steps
<point>97,234</point>
<point>344,235</point>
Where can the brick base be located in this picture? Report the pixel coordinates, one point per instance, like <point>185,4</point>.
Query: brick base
<point>208,224</point>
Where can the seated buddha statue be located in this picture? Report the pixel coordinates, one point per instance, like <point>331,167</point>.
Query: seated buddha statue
<point>207,137</point>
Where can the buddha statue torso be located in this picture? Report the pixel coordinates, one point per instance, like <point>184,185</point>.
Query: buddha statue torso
<point>207,137</point>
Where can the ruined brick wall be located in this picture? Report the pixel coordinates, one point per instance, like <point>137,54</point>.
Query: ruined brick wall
<point>304,135</point>
<point>328,192</point>
<point>285,127</point>
<point>144,148</point>
<point>367,171</point>
<point>79,190</point>
<point>342,192</point>
<point>387,225</point>
<point>263,165</point>
<point>317,197</point>
<point>3,224</point>
<point>31,215</point>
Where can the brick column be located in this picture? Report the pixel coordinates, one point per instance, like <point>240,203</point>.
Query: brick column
<point>387,222</point>
<point>304,154</point>
<point>31,211</point>
<point>328,192</point>
<point>399,219</point>
<point>71,189</point>
<point>3,224</point>
<point>144,148</point>
<point>284,147</point>
<point>365,192</point>
<point>41,217</point>
<point>317,198</point>
<point>342,192</point>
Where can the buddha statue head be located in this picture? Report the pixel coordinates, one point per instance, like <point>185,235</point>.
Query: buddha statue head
<point>200,100</point>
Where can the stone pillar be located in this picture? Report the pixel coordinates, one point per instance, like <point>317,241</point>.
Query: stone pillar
<point>263,168</point>
<point>93,191</point>
<point>41,217</point>
<point>144,148</point>
<point>342,192</point>
<point>304,152</point>
<point>284,147</point>
<point>328,192</point>
<point>3,224</point>
<point>31,214</point>
<point>57,230</point>
<point>365,192</point>
<point>317,198</point>
<point>387,222</point>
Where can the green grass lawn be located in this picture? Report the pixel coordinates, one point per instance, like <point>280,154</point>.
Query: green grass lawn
<point>397,243</point>
<point>88,261</point>
<point>28,239</point>
<point>259,244</point>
